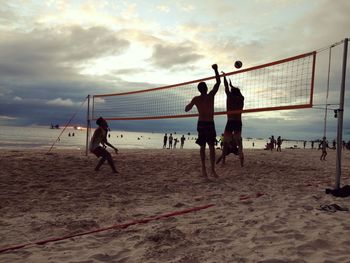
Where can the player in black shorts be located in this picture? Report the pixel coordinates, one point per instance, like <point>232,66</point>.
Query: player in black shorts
<point>206,127</point>
<point>233,128</point>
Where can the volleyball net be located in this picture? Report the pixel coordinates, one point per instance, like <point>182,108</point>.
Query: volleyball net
<point>279,85</point>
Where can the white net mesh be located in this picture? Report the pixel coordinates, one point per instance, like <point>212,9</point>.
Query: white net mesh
<point>283,84</point>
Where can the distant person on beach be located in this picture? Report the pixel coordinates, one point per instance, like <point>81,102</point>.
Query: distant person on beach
<point>221,140</point>
<point>175,142</point>
<point>272,142</point>
<point>312,144</point>
<point>304,144</point>
<point>99,142</point>
<point>206,126</point>
<point>165,139</point>
<point>182,140</point>
<point>170,141</point>
<point>279,143</point>
<point>324,146</point>
<point>233,128</point>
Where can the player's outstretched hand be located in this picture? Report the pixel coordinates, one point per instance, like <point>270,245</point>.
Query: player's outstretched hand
<point>116,150</point>
<point>214,66</point>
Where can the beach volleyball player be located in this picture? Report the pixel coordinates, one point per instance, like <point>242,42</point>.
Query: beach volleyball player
<point>98,143</point>
<point>233,128</point>
<point>205,126</point>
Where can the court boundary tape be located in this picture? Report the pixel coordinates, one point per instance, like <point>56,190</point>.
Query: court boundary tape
<point>116,226</point>
<point>246,197</point>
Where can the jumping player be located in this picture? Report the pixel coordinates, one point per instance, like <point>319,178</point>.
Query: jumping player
<point>233,128</point>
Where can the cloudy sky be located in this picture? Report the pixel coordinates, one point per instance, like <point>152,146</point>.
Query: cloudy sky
<point>54,53</point>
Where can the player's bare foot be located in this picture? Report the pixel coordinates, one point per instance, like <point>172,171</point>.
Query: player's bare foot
<point>241,158</point>
<point>204,173</point>
<point>214,174</point>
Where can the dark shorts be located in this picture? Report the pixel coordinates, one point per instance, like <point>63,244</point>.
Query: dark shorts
<point>206,133</point>
<point>101,152</point>
<point>233,126</point>
<point>231,147</point>
<point>234,150</point>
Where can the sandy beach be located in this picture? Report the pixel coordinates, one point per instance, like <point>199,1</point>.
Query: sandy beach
<point>267,211</point>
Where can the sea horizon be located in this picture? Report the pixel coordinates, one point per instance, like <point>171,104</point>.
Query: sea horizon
<point>38,136</point>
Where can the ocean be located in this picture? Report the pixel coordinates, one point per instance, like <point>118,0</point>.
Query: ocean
<point>44,137</point>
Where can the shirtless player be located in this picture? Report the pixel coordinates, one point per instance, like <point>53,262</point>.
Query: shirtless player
<point>98,143</point>
<point>205,126</point>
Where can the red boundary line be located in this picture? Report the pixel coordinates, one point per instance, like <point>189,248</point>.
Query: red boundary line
<point>121,226</point>
<point>245,197</point>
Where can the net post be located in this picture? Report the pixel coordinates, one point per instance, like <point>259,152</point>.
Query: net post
<point>87,126</point>
<point>314,54</point>
<point>340,116</point>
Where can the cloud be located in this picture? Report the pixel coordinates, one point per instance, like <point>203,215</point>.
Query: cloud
<point>2,117</point>
<point>52,48</point>
<point>45,49</point>
<point>163,8</point>
<point>43,62</point>
<point>99,100</point>
<point>171,55</point>
<point>129,71</point>
<point>130,11</point>
<point>144,37</point>
<point>211,8</point>
<point>6,15</point>
<point>60,102</point>
<point>327,14</point>
<point>195,29</point>
<point>188,8</point>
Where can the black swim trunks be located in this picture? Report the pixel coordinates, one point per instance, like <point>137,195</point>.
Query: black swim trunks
<point>232,148</point>
<point>101,152</point>
<point>206,132</point>
<point>233,126</point>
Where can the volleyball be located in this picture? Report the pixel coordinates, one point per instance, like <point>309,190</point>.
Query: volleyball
<point>238,64</point>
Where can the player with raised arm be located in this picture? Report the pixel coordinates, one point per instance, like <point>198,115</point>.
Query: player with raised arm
<point>233,128</point>
<point>206,126</point>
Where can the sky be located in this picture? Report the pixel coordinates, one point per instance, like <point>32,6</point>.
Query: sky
<point>54,53</point>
